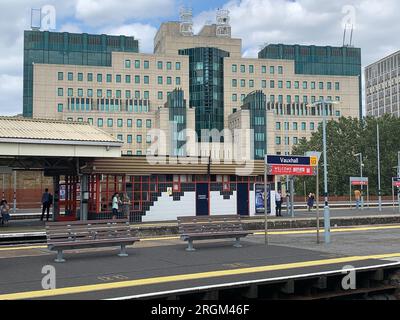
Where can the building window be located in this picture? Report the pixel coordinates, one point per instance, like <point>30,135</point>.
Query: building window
<point>80,76</point>
<point>127,64</point>
<point>109,78</point>
<point>337,113</point>
<point>251,69</point>
<point>159,65</point>
<point>263,83</point>
<point>329,85</point>
<point>169,65</point>
<point>90,121</point>
<point>80,92</point>
<point>120,137</point>
<point>137,79</point>
<point>280,70</point>
<point>272,84</point>
<point>127,79</point>
<point>272,70</point>
<point>242,96</point>
<point>278,126</point>
<point>278,141</point>
<point>295,140</point>
<point>242,83</point>
<point>139,123</point>
<point>146,95</point>
<point>303,126</point>
<point>234,68</point>
<point>251,83</point>
<point>148,139</point>
<point>337,98</point>
<point>272,98</point>
<point>178,66</point>
<point>120,123</point>
<point>234,97</point>
<point>312,126</point>
<point>295,126</point>
<point>146,80</point>
<point>99,77</point>
<point>280,84</point>
<point>160,80</point>
<point>148,123</point>
<point>289,99</point>
<point>70,76</point>
<point>137,94</point>
<point>60,107</point>
<point>288,85</point>
<point>337,86</point>
<point>90,93</point>
<point>110,123</point>
<point>61,76</point>
<point>70,92</point>
<point>296,85</point>
<point>305,99</point>
<point>160,95</point>
<point>305,86</point>
<point>234,83</point>
<point>90,77</point>
<point>137,64</point>
<point>169,80</point>
<point>60,92</point>
<point>321,86</point>
<point>100,123</point>
<point>99,93</point>
<point>118,94</point>
<point>139,138</point>
<point>128,94</point>
<point>263,69</point>
<point>129,138</point>
<point>146,64</point>
<point>129,123</point>
<point>178,81</point>
<point>242,68</point>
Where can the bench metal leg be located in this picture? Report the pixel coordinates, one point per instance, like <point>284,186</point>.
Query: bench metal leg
<point>122,252</point>
<point>60,258</point>
<point>190,246</point>
<point>237,243</point>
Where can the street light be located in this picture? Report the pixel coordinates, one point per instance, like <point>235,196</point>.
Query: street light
<point>327,222</point>
<point>361,172</point>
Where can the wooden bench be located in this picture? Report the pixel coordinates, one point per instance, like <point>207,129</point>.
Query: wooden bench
<point>211,227</point>
<point>89,234</point>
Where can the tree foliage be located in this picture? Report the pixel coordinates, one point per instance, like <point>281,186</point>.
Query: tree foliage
<point>347,137</point>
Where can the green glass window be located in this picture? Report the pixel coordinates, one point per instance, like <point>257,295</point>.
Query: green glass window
<point>280,98</point>
<point>295,140</point>
<point>70,92</point>
<point>139,152</point>
<point>242,96</point>
<point>272,98</point>
<point>146,95</point>
<point>146,79</point>
<point>129,138</point>
<point>127,63</point>
<point>280,70</point>
<point>109,93</point>
<point>137,94</point>
<point>272,84</point>
<point>178,81</point>
<point>295,126</point>
<point>297,99</point>
<point>139,138</point>
<point>242,68</point>
<point>337,98</point>
<point>137,79</point>
<point>80,119</point>
<point>305,85</point>
<point>61,76</point>
<point>278,126</point>
<point>146,64</point>
<point>337,86</point>
<point>129,123</point>
<point>288,85</point>
<point>234,68</point>
<point>90,121</point>
<point>100,122</point>
<point>120,137</point>
<point>278,140</point>
<point>169,65</point>
<point>60,107</point>
<point>99,77</point>
<point>118,94</point>
<point>272,70</point>
<point>70,119</point>
<point>139,123</point>
<point>312,85</point>
<point>296,85</point>
<point>242,83</point>
<point>137,64</point>
<point>234,97</point>
<point>160,95</point>
<point>109,78</point>
<point>118,78</point>
<point>280,84</point>
<point>80,76</point>
<point>263,69</point>
<point>90,77</point>
<point>234,83</point>
<point>321,86</point>
<point>60,92</point>
<point>148,138</point>
<point>169,80</point>
<point>305,99</point>
<point>159,65</point>
<point>110,122</point>
<point>148,123</point>
<point>120,123</point>
<point>289,99</point>
<point>178,66</point>
<point>251,69</point>
<point>337,113</point>
<point>263,83</point>
<point>160,80</point>
<point>128,94</point>
<point>80,92</point>
<point>90,93</point>
<point>99,93</point>
<point>70,76</point>
<point>251,83</point>
<point>329,85</point>
<point>303,126</point>
<point>312,126</point>
<point>127,78</point>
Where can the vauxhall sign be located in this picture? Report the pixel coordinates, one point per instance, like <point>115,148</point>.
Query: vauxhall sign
<point>291,165</point>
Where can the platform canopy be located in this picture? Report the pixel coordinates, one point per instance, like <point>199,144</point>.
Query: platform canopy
<point>52,145</point>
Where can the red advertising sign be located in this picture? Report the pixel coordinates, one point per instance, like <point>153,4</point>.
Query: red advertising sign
<point>291,170</point>
<point>359,183</point>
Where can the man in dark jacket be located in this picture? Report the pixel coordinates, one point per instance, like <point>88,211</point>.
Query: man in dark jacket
<point>46,203</point>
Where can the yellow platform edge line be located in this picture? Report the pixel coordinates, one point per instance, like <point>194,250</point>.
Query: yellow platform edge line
<point>185,277</point>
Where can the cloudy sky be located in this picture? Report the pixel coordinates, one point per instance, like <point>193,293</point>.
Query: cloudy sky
<point>257,22</point>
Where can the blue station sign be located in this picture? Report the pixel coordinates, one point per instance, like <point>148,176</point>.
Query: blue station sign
<point>288,160</point>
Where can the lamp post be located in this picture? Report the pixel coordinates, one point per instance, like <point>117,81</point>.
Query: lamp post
<point>327,222</point>
<point>379,167</point>
<point>361,173</point>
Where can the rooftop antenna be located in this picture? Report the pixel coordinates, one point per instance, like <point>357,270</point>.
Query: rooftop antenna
<point>186,24</point>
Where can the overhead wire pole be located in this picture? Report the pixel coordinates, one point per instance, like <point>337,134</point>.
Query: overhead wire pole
<point>326,206</point>
<point>379,167</point>
<point>266,176</point>
<point>398,176</point>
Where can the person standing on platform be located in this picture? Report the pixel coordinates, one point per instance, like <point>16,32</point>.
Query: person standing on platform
<point>278,201</point>
<point>46,202</point>
<point>115,204</point>
<point>4,212</point>
<point>310,201</point>
<point>357,196</point>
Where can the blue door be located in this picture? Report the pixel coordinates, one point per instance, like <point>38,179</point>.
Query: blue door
<point>202,203</point>
<point>242,199</point>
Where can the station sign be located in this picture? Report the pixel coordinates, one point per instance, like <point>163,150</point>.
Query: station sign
<point>396,182</point>
<point>291,165</point>
<point>358,181</point>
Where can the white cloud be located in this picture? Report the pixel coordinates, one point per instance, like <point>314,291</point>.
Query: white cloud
<point>115,12</point>
<point>143,32</point>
